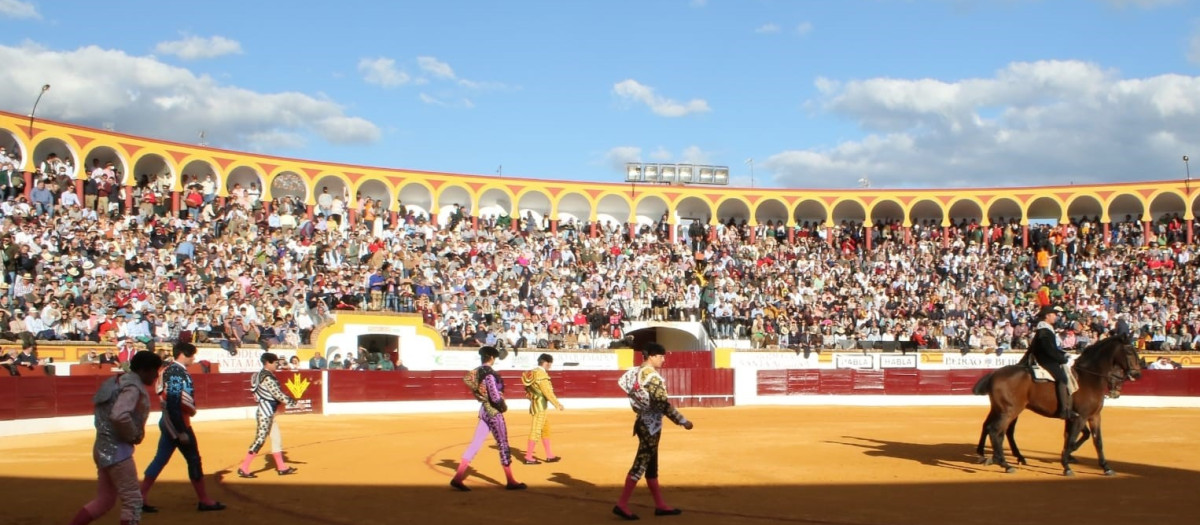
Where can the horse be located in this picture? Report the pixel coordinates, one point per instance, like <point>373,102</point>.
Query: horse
<point>1114,384</point>
<point>1011,390</point>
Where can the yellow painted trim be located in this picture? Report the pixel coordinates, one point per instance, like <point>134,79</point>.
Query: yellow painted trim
<point>598,196</point>
<point>341,319</point>
<point>723,358</point>
<point>624,358</point>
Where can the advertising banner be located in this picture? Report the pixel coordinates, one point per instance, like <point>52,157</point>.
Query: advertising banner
<point>980,360</point>
<point>854,361</point>
<point>897,361</point>
<point>305,387</point>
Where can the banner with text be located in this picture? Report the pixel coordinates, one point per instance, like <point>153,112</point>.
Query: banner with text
<point>980,360</point>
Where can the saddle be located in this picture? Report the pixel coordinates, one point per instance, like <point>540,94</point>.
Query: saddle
<point>1041,375</point>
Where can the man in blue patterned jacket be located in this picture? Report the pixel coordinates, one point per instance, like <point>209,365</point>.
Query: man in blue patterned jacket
<point>175,391</point>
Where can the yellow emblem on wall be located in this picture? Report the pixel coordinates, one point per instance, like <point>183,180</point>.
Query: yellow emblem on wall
<point>297,385</point>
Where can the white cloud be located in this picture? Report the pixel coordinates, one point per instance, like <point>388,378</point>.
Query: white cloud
<point>631,90</point>
<point>1144,4</point>
<point>196,47</point>
<point>144,96</point>
<point>804,28</point>
<point>435,67</point>
<point>1031,123</point>
<point>382,72</point>
<point>431,100</point>
<point>1193,52</point>
<point>619,156</point>
<point>18,9</point>
<point>695,155</point>
<point>661,154</point>
<point>445,101</point>
<point>767,29</point>
<point>275,140</point>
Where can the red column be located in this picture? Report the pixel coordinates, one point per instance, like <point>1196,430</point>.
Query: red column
<point>308,211</point>
<point>350,216</point>
<point>791,234</point>
<point>907,235</point>
<point>1024,235</point>
<point>128,200</point>
<point>433,219</point>
<point>392,217</point>
<point>671,232</point>
<point>1189,232</point>
<point>753,233</point>
<point>867,237</point>
<point>1145,233</point>
<point>633,227</point>
<point>592,230</point>
<point>516,223</point>
<point>1108,240</point>
<point>945,237</point>
<point>829,235</point>
<point>175,203</point>
<point>474,224</point>
<point>79,190</point>
<point>554,226</point>
<point>28,183</point>
<point>267,206</point>
<point>712,233</point>
<point>221,202</point>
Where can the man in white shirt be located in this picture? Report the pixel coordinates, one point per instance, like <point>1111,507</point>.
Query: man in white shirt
<point>35,326</point>
<point>69,199</point>
<point>325,202</point>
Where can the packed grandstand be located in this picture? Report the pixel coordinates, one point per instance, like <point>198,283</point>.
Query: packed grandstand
<point>128,242</point>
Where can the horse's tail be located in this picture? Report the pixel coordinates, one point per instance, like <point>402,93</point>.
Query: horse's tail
<point>984,385</point>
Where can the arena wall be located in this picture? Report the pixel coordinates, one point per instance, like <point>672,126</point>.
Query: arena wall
<point>33,405</point>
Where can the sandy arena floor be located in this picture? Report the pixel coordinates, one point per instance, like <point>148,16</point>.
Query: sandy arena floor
<point>740,465</point>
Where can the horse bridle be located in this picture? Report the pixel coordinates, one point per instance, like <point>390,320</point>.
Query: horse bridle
<point>1116,379</point>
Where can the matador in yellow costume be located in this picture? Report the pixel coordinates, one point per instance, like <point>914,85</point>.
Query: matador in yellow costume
<point>540,392</point>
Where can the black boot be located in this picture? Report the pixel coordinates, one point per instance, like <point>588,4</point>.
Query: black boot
<point>1064,402</point>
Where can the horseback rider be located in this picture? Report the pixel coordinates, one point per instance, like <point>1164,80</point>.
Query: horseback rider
<point>1045,351</point>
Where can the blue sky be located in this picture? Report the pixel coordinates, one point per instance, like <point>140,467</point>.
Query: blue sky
<point>901,93</point>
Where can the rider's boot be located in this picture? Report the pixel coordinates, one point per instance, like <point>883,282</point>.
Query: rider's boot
<point>1064,402</point>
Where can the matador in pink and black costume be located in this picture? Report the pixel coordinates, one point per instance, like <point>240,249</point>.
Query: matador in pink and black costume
<point>488,388</point>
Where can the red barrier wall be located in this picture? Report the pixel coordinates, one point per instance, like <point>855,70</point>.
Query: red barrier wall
<point>683,359</point>
<point>1185,382</point>
<point>59,396</point>
<point>688,387</point>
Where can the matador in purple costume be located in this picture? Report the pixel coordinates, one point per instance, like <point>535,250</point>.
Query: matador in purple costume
<point>488,389</point>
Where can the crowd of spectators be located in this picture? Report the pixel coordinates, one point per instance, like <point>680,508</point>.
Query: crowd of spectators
<point>235,271</point>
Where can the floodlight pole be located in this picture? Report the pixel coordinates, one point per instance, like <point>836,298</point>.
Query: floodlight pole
<point>1188,181</point>
<point>45,88</point>
<point>750,161</point>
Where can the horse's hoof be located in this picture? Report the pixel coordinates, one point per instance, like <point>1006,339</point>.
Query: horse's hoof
<point>1010,470</point>
<point>1110,472</point>
<point>1069,473</point>
<point>988,461</point>
<point>982,461</point>
<point>1022,461</point>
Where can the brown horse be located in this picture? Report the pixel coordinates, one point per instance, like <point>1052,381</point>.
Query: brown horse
<point>1012,390</point>
<point>1115,382</point>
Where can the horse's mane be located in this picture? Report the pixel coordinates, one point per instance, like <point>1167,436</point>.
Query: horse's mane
<point>1095,350</point>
